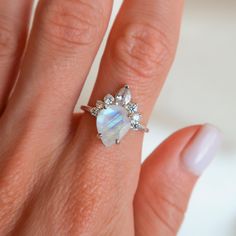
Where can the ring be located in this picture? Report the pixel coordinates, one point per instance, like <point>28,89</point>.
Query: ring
<point>115,116</point>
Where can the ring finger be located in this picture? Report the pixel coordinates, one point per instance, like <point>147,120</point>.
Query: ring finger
<point>140,50</point>
<point>139,53</point>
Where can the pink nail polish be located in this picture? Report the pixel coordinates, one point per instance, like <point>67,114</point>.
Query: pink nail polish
<point>201,150</point>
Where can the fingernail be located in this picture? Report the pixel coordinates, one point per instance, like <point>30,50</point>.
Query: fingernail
<point>201,150</point>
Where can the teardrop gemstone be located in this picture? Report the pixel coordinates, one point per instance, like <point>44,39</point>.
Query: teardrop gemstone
<point>123,97</point>
<point>113,124</point>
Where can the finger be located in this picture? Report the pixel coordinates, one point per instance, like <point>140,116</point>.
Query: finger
<point>140,50</point>
<point>139,53</point>
<point>14,19</point>
<point>39,117</point>
<point>168,177</point>
<point>63,43</point>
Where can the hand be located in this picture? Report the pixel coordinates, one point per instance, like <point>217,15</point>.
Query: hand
<point>56,177</point>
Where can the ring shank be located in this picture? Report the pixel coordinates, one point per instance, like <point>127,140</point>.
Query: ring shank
<point>86,108</point>
<point>144,129</point>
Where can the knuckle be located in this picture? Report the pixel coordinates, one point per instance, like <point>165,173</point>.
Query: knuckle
<point>141,50</point>
<point>72,23</point>
<point>171,211</point>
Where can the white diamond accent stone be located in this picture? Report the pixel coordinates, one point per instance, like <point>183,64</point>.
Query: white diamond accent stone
<point>113,124</point>
<point>94,111</point>
<point>100,104</point>
<point>132,107</point>
<point>136,117</point>
<point>123,97</point>
<point>135,125</point>
<point>109,99</point>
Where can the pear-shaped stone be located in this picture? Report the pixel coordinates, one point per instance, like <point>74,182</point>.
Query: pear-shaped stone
<point>113,124</point>
<point>123,97</point>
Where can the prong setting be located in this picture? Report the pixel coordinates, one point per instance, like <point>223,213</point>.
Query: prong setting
<point>115,116</point>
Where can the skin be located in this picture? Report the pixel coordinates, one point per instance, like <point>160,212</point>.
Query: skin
<point>56,178</point>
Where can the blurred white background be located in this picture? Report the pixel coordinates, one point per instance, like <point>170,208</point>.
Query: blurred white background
<point>201,88</point>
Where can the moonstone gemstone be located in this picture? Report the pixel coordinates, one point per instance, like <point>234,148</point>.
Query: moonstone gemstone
<point>113,124</point>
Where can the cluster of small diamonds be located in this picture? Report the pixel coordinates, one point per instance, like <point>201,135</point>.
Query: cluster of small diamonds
<point>123,98</point>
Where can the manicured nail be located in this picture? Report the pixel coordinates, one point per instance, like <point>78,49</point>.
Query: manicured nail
<point>201,150</point>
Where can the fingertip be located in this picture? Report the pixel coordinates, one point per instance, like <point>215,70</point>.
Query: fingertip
<point>202,148</point>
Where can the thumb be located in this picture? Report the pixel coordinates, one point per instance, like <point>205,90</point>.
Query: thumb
<point>168,177</point>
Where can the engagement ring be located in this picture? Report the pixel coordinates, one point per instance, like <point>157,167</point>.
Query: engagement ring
<point>116,116</point>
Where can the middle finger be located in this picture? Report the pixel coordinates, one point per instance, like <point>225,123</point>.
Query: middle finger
<point>65,37</point>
